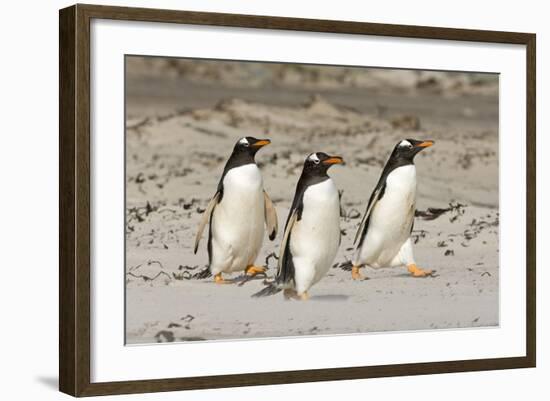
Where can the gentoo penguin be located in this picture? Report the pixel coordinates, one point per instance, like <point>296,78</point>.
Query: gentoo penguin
<point>385,231</point>
<point>237,212</point>
<point>312,232</point>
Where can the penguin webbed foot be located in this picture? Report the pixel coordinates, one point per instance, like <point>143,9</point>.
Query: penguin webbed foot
<point>218,279</point>
<point>356,274</point>
<point>418,272</point>
<point>254,270</point>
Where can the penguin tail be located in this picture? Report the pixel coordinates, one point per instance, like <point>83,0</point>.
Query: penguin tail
<point>270,289</point>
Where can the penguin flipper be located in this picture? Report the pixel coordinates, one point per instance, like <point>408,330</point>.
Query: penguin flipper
<point>271,220</point>
<point>205,218</point>
<point>285,268</point>
<point>364,222</point>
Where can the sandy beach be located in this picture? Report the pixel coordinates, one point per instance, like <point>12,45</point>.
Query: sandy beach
<point>180,130</point>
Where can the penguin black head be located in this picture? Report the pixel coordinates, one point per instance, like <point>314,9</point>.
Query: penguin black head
<point>250,145</point>
<point>407,149</point>
<point>244,151</point>
<point>318,163</point>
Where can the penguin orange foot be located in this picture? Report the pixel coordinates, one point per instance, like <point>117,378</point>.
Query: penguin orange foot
<point>418,272</point>
<point>218,279</point>
<point>253,270</point>
<point>304,296</point>
<point>356,275</point>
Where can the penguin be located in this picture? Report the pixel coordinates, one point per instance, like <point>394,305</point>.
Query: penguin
<point>384,235</point>
<point>236,214</point>
<point>312,231</point>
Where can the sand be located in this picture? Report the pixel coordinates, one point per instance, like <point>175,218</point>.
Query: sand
<point>179,135</point>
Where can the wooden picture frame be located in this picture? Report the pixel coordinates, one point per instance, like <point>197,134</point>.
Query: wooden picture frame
<point>74,199</point>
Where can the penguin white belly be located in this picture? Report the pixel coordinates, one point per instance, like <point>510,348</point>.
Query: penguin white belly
<point>238,221</point>
<point>390,221</point>
<point>315,238</point>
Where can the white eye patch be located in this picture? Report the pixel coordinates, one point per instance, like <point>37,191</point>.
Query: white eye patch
<point>243,141</point>
<point>314,158</point>
<point>404,143</point>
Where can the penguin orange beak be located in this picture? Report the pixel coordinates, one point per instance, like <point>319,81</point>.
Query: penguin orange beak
<point>425,144</point>
<point>261,142</point>
<point>334,160</point>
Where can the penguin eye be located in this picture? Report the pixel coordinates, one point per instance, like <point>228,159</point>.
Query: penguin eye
<point>404,144</point>
<point>246,144</point>
<point>313,157</point>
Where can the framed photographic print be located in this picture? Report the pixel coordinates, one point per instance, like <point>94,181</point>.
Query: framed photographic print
<point>250,200</point>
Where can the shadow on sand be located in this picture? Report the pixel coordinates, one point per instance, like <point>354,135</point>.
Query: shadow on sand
<point>331,298</point>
